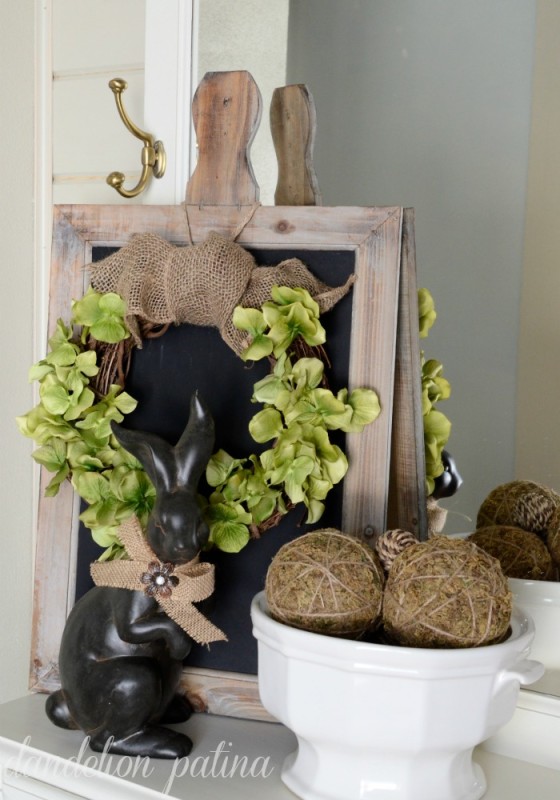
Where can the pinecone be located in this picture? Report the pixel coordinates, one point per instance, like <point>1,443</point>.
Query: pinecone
<point>391,543</point>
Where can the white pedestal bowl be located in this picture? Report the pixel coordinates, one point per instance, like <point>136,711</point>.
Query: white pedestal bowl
<point>378,722</point>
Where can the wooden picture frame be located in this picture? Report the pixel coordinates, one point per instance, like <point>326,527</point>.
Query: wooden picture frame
<point>374,237</point>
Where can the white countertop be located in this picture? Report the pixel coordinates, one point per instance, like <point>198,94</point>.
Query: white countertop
<point>39,759</point>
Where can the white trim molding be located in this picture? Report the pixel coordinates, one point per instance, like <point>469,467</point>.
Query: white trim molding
<point>168,88</point>
<point>43,168</point>
<point>42,194</point>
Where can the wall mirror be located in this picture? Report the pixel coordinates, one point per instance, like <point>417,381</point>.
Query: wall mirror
<point>453,109</point>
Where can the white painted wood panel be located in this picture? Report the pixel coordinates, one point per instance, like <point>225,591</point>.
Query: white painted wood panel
<point>90,34</point>
<point>92,43</point>
<point>89,136</point>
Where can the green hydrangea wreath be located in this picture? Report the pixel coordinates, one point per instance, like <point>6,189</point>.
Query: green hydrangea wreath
<point>71,423</point>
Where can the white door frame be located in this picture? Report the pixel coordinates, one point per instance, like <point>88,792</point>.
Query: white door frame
<point>169,82</point>
<point>171,31</point>
<point>43,172</point>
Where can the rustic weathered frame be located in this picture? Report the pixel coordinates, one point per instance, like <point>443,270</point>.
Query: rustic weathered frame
<point>374,236</point>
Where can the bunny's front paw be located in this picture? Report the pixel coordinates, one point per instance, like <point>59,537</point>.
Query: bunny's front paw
<point>179,644</point>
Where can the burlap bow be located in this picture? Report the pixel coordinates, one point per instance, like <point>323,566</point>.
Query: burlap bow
<point>175,588</point>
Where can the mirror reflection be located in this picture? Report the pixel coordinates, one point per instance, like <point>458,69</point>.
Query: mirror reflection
<point>452,109</point>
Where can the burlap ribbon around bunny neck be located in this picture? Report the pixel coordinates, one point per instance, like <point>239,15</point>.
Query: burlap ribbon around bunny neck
<point>175,588</point>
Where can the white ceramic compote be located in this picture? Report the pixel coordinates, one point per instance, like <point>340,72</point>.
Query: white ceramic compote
<point>382,722</point>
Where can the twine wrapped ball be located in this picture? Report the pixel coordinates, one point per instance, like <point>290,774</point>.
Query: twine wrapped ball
<point>326,582</point>
<point>521,504</point>
<point>553,537</point>
<point>521,554</point>
<point>446,593</point>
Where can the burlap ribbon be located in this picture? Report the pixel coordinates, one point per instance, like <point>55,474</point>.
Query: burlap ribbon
<point>201,284</point>
<point>175,588</point>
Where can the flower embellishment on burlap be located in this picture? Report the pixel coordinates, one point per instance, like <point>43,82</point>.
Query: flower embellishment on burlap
<point>159,579</point>
<point>174,587</point>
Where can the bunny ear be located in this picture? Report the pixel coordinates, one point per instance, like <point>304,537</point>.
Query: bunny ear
<point>153,452</point>
<point>195,446</point>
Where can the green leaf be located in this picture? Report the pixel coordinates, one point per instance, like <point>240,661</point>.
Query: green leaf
<point>109,330</point>
<point>220,466</point>
<point>230,537</point>
<point>336,469</point>
<point>106,512</point>
<point>80,455</point>
<point>249,319</point>
<point>308,372</point>
<point>79,403</point>
<point>297,473</point>
<point>125,403</point>
<point>103,314</point>
<point>39,370</point>
<point>55,399</point>
<point>315,510</point>
<point>437,425</point>
<point>61,335</point>
<point>52,456</point>
<point>105,536</point>
<point>285,295</point>
<point>262,507</point>
<point>112,304</point>
<point>426,312</point>
<point>74,381</point>
<point>51,490</point>
<point>272,391</point>
<point>62,356</point>
<point>320,438</point>
<point>365,409</point>
<point>121,457</point>
<point>236,487</point>
<point>282,335</point>
<point>320,406</point>
<point>266,425</point>
<point>318,488</point>
<point>92,486</point>
<point>228,527</point>
<point>260,347</point>
<point>297,322</point>
<point>87,363</point>
<point>85,311</point>
<point>41,426</point>
<point>271,313</point>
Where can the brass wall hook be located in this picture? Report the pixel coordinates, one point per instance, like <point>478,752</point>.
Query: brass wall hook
<point>153,153</point>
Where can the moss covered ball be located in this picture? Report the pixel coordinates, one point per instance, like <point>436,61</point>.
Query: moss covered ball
<point>521,554</point>
<point>446,593</point>
<point>326,582</point>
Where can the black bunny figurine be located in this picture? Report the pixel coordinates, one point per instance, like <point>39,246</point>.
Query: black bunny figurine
<point>121,654</point>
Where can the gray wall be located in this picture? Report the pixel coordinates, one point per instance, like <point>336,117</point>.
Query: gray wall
<point>16,335</point>
<point>426,103</point>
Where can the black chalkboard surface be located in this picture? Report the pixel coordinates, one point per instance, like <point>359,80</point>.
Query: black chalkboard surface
<point>164,374</point>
